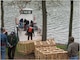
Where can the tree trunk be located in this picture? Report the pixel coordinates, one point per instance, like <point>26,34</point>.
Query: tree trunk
<point>2,14</point>
<point>44,27</point>
<point>71,20</point>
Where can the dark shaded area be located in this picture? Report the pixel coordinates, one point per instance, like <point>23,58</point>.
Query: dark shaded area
<point>24,56</point>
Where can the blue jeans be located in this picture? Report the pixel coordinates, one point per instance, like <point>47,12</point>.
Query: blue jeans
<point>3,52</point>
<point>0,51</point>
<point>21,25</point>
<point>74,58</point>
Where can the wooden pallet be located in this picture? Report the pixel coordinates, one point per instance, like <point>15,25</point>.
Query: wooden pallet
<point>25,47</point>
<point>47,43</point>
<point>51,53</point>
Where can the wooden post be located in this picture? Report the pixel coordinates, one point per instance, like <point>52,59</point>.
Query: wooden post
<point>71,20</point>
<point>44,27</point>
<point>2,14</point>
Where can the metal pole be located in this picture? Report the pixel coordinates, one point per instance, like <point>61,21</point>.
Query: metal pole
<point>17,32</point>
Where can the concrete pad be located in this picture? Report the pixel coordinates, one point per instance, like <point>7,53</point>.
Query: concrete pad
<point>23,37</point>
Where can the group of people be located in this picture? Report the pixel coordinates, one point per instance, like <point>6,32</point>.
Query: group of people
<point>27,26</point>
<point>10,41</point>
<point>25,23</point>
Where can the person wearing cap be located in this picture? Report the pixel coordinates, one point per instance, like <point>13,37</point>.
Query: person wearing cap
<point>73,49</point>
<point>3,44</point>
<point>13,40</point>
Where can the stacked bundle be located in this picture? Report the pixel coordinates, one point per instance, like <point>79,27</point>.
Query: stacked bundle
<point>47,43</point>
<point>25,47</point>
<point>50,53</point>
<point>48,50</point>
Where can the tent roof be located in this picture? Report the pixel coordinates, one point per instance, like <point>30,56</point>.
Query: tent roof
<point>27,9</point>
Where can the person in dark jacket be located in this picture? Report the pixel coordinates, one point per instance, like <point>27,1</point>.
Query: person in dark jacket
<point>25,24</point>
<point>30,32</point>
<point>73,49</point>
<point>31,23</point>
<point>13,40</point>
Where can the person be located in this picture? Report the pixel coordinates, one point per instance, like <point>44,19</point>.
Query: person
<point>3,43</point>
<point>30,32</point>
<point>31,23</point>
<point>21,23</point>
<point>73,49</point>
<point>13,40</point>
<point>6,33</point>
<point>25,24</point>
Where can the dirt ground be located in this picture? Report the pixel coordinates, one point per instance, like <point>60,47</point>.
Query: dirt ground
<point>21,56</point>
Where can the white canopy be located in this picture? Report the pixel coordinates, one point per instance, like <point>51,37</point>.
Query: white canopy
<point>27,9</point>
